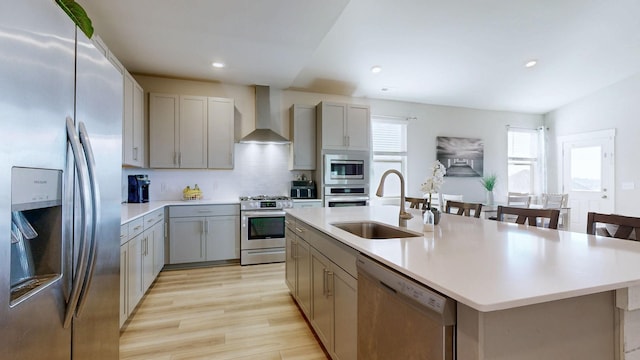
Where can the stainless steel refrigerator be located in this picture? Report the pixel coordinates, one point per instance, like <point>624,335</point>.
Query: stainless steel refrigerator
<point>60,164</point>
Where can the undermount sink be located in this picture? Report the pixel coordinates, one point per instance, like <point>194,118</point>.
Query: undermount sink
<point>374,230</point>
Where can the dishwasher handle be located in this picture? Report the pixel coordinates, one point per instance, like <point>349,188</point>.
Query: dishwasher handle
<point>436,305</point>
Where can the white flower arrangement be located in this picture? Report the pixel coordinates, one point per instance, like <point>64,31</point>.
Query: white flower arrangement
<point>433,182</point>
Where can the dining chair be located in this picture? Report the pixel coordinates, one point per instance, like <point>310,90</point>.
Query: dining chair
<point>464,208</point>
<point>554,201</point>
<point>533,217</point>
<point>518,199</point>
<point>414,202</point>
<point>617,226</point>
<point>444,198</point>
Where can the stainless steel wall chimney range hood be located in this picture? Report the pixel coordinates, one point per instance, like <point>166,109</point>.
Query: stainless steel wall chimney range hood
<point>263,134</point>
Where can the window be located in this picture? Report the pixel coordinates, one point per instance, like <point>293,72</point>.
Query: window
<point>389,152</point>
<point>525,160</point>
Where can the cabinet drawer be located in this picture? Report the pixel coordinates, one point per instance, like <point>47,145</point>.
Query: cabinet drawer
<point>136,227</point>
<point>341,254</point>
<point>203,210</point>
<point>153,217</point>
<point>124,234</point>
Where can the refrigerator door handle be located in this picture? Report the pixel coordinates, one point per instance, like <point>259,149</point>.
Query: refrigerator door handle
<point>83,251</point>
<point>96,217</point>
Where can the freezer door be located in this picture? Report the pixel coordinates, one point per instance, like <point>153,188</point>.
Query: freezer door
<point>36,96</point>
<point>99,97</point>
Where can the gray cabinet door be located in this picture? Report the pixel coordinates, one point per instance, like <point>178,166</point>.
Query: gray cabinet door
<point>134,275</point>
<point>163,125</point>
<point>158,247</point>
<point>290,261</point>
<point>303,275</point>
<point>345,315</point>
<point>124,266</point>
<point>322,293</point>
<point>147,259</point>
<point>187,240</point>
<point>223,239</point>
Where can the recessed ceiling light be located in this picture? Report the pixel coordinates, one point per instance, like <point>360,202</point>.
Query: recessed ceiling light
<point>217,65</point>
<point>531,63</point>
<point>376,69</point>
<point>384,89</point>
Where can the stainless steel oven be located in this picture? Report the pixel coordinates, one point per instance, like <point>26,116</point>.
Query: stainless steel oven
<point>262,229</point>
<point>346,168</point>
<point>340,196</point>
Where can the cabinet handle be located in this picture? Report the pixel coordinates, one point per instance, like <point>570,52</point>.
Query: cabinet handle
<point>299,230</point>
<point>202,240</point>
<point>329,286</point>
<point>324,282</point>
<point>135,153</point>
<point>287,222</point>
<point>179,158</point>
<point>137,227</point>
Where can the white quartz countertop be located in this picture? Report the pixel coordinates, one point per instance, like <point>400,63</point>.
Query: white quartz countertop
<point>490,265</point>
<point>131,211</point>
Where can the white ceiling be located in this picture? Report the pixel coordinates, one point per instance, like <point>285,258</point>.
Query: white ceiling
<point>468,53</point>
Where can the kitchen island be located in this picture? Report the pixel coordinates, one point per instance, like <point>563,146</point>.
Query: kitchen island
<point>522,293</point>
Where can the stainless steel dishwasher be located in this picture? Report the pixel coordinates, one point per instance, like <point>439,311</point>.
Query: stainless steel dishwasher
<point>399,318</point>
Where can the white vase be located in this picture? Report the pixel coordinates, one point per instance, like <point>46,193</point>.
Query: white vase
<point>428,220</point>
<point>489,197</point>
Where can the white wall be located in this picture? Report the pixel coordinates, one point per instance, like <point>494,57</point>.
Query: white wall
<point>429,121</point>
<point>261,170</point>
<point>615,107</point>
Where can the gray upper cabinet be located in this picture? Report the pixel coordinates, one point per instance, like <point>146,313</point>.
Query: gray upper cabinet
<point>133,123</point>
<point>163,125</point>
<point>190,132</point>
<point>343,126</point>
<point>302,129</point>
<point>132,111</point>
<point>220,120</point>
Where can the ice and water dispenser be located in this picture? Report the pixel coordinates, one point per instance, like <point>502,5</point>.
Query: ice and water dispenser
<point>36,230</point>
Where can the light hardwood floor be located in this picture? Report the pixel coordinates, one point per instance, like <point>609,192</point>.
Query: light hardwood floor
<point>225,312</point>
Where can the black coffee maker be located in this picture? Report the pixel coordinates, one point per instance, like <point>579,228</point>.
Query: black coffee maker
<point>138,188</point>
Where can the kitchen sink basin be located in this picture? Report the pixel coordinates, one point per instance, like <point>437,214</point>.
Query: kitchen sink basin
<point>374,230</point>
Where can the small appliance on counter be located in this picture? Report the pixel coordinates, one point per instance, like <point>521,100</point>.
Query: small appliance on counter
<point>303,189</point>
<point>138,188</point>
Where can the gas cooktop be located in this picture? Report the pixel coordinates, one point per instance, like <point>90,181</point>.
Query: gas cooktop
<point>264,197</point>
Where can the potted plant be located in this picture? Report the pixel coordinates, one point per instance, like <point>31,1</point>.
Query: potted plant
<point>488,183</point>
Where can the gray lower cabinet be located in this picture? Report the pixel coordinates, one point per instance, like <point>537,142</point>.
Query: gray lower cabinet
<point>141,259</point>
<point>322,297</point>
<point>134,274</point>
<point>186,240</point>
<point>324,290</point>
<point>298,269</point>
<point>203,233</point>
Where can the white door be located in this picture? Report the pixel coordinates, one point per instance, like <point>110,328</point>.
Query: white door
<point>588,175</point>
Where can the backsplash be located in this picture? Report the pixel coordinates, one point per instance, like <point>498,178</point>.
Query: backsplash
<point>259,169</point>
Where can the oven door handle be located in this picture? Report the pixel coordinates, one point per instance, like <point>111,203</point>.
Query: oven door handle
<point>263,213</point>
<point>345,198</point>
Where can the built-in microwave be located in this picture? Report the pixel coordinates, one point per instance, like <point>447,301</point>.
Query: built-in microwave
<point>342,169</point>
